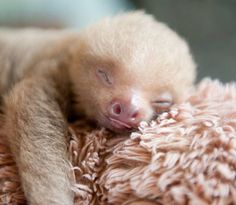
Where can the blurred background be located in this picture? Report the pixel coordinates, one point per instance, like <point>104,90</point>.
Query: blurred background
<point>208,25</point>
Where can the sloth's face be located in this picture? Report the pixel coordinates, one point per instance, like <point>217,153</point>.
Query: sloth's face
<point>128,69</point>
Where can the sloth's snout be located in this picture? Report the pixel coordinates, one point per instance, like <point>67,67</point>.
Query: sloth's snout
<point>125,113</point>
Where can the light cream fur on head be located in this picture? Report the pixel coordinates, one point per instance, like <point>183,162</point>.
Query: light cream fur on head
<point>186,156</point>
<point>140,52</point>
<point>144,47</point>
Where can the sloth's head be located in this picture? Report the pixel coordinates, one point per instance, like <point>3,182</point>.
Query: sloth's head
<point>129,68</point>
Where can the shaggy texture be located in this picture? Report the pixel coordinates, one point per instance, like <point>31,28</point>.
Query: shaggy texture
<point>186,156</point>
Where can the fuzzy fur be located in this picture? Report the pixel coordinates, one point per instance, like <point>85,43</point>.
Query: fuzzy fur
<point>186,156</point>
<point>46,75</point>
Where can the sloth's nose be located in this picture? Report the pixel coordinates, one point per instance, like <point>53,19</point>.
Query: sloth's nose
<point>125,113</point>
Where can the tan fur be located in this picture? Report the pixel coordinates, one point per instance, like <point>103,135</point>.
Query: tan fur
<point>141,53</point>
<point>41,70</point>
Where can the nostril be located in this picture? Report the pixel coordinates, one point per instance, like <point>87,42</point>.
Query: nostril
<point>134,115</point>
<point>116,109</point>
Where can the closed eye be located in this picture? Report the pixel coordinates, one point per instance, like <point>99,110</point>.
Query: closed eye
<point>162,104</point>
<point>103,75</point>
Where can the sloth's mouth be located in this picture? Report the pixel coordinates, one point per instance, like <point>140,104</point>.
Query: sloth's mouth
<point>114,124</point>
<point>119,124</point>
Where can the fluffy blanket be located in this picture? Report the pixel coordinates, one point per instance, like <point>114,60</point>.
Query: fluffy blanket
<point>186,156</point>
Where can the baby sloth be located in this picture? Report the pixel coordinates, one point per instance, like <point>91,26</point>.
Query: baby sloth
<point>117,72</point>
